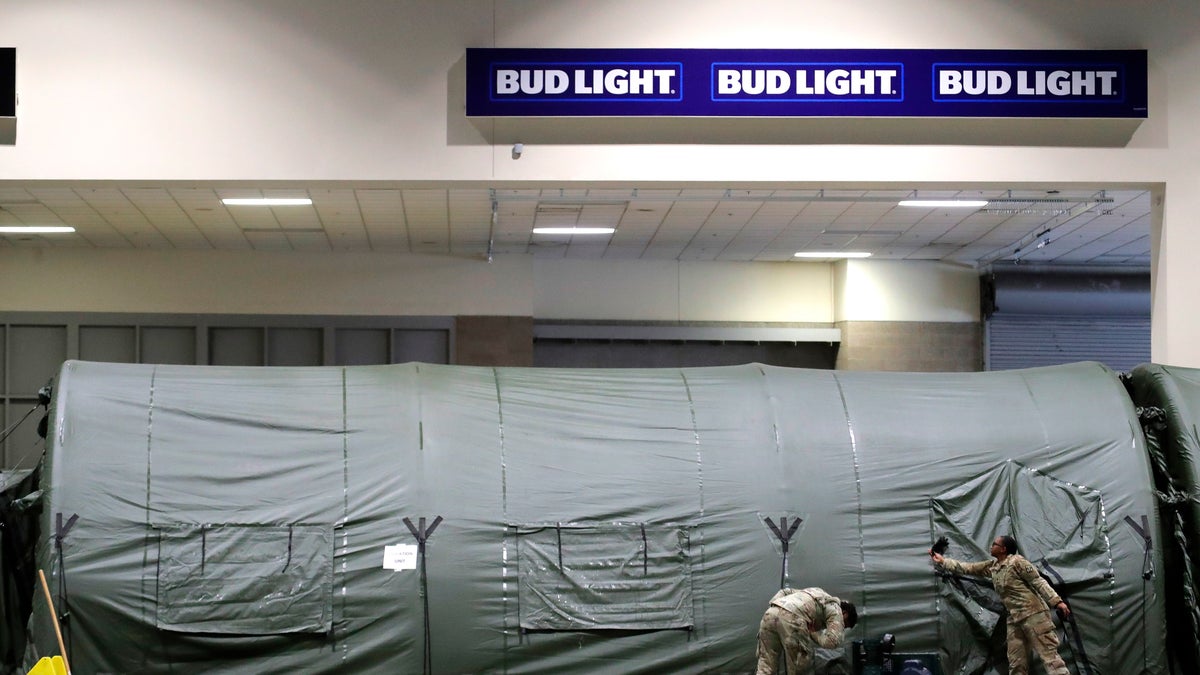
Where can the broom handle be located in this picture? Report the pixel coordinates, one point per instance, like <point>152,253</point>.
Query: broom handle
<point>54,615</point>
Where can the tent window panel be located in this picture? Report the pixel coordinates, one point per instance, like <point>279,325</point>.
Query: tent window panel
<point>617,577</point>
<point>246,579</point>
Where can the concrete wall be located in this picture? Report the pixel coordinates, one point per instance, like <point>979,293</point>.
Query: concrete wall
<point>910,346</point>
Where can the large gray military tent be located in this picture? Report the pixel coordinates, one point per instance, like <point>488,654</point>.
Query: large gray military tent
<point>417,518</point>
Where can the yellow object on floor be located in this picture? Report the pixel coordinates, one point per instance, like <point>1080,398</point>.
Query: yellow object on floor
<point>49,665</point>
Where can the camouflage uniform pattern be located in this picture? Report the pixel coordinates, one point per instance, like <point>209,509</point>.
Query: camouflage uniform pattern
<point>797,622</point>
<point>1027,597</point>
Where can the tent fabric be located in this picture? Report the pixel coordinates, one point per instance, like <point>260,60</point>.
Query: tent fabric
<point>1168,400</point>
<point>591,521</point>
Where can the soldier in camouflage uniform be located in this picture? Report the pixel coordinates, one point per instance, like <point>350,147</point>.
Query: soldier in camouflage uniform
<point>797,622</point>
<point>1026,596</point>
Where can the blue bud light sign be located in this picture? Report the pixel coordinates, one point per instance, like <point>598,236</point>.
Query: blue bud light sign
<point>8,82</point>
<point>805,83</point>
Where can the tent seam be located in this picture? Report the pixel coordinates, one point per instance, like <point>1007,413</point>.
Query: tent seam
<point>700,521</point>
<point>862,552</point>
<point>146,549</point>
<point>345,505</point>
<point>149,435</point>
<point>504,512</point>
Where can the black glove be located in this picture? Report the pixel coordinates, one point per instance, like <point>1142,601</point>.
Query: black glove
<point>940,546</point>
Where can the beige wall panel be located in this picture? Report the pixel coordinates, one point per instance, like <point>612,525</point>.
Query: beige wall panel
<point>682,291</point>
<point>236,282</point>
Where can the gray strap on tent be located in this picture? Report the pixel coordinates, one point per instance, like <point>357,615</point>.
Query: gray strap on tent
<point>1144,531</point>
<point>785,535</point>
<point>558,533</point>
<point>60,530</point>
<point>421,534</point>
<point>645,553</point>
<point>1082,664</point>
<point>291,535</point>
<point>1147,560</point>
<point>60,533</point>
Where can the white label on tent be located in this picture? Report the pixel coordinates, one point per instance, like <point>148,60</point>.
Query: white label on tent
<point>400,557</point>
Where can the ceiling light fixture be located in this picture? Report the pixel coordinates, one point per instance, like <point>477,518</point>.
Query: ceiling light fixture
<point>949,203</point>
<point>831,254</point>
<point>574,230</point>
<point>36,229</point>
<point>267,201</point>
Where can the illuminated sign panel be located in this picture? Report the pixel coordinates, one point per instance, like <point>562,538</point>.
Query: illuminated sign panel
<point>805,83</point>
<point>8,82</point>
<point>8,96</point>
<point>1053,84</point>
<point>587,82</point>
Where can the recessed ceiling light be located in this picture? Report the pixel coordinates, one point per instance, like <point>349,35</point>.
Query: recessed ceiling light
<point>831,254</point>
<point>950,203</point>
<point>267,201</point>
<point>574,230</point>
<point>36,229</point>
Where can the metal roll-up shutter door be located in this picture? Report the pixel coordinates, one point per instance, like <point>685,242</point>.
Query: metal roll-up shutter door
<point>1026,341</point>
<point>1049,317</point>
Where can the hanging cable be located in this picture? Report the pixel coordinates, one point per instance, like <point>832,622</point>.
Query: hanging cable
<point>13,427</point>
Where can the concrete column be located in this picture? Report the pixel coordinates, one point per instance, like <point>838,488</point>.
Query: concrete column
<point>910,346</point>
<point>493,340</point>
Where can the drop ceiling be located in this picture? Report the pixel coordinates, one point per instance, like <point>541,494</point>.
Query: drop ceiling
<point>1053,226</point>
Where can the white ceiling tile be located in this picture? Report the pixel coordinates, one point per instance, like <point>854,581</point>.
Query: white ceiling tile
<point>666,223</point>
<point>269,241</point>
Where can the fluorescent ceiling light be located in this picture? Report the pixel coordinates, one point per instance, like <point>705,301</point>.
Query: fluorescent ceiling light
<point>35,229</point>
<point>574,230</point>
<point>951,203</point>
<point>268,201</point>
<point>832,254</point>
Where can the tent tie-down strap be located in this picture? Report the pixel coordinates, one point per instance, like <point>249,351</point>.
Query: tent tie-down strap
<point>645,553</point>
<point>291,537</point>
<point>957,579</point>
<point>784,533</point>
<point>1144,531</point>
<point>1082,663</point>
<point>422,534</point>
<point>1147,559</point>
<point>60,532</point>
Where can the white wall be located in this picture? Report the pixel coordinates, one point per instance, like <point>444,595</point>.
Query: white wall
<point>890,290</point>
<point>372,89</point>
